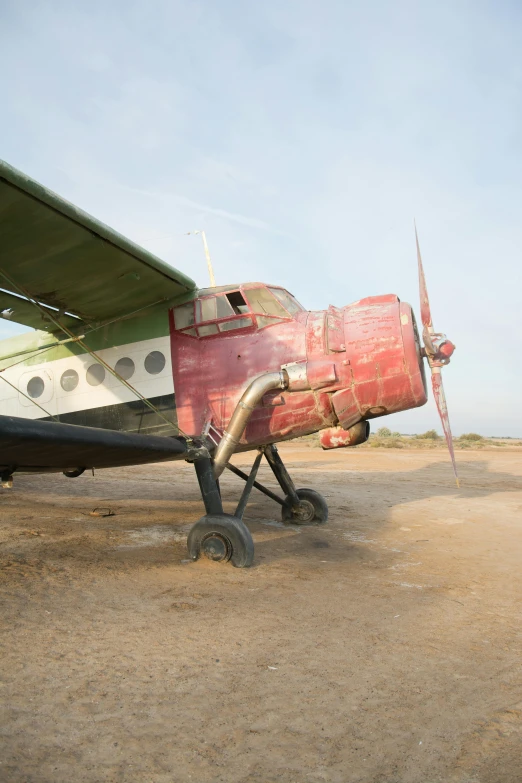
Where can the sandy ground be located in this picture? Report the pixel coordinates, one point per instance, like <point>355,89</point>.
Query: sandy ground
<point>383,647</point>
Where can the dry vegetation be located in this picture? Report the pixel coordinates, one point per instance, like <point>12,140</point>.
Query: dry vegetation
<point>384,438</point>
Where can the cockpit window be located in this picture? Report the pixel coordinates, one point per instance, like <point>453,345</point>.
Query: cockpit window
<point>287,300</point>
<point>227,311</point>
<point>223,306</point>
<point>184,315</point>
<point>237,301</point>
<point>237,323</point>
<point>262,300</point>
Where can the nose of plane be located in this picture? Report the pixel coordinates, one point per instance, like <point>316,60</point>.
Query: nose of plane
<point>380,370</point>
<point>446,349</point>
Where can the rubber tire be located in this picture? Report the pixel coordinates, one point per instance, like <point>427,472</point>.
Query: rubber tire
<point>231,528</point>
<point>317,501</point>
<point>74,473</point>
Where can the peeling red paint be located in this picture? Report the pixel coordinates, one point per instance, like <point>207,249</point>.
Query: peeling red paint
<point>365,358</point>
<point>337,437</point>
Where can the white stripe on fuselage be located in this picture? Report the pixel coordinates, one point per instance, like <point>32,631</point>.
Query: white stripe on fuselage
<point>85,397</point>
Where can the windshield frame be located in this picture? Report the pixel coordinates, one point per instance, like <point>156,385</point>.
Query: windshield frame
<point>258,318</point>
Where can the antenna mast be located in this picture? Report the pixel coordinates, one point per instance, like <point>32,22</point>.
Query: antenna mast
<point>207,256</point>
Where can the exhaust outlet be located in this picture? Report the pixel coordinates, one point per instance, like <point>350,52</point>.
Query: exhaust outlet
<point>337,438</point>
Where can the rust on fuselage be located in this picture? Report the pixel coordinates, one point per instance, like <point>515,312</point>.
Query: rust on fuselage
<point>358,362</point>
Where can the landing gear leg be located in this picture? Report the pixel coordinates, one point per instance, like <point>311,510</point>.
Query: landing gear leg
<point>218,536</point>
<point>223,537</point>
<point>301,506</point>
<point>6,479</point>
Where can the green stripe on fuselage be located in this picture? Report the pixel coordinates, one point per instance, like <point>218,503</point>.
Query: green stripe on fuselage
<point>153,322</point>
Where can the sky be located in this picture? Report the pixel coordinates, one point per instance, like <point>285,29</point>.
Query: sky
<point>304,138</point>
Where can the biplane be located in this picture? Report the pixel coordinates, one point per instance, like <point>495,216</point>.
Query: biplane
<point>130,363</point>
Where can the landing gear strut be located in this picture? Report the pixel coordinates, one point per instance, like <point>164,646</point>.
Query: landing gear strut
<point>300,506</point>
<point>223,537</point>
<point>218,536</point>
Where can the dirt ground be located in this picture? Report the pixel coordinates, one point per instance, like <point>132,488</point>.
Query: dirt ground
<point>382,647</point>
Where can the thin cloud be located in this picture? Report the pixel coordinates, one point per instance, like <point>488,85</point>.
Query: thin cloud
<point>234,217</point>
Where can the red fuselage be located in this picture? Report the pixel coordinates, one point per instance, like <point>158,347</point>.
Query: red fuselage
<point>362,361</point>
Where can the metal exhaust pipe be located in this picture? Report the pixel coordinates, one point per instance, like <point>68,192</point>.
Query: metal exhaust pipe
<point>244,409</point>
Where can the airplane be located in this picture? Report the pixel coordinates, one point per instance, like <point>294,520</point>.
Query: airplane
<point>131,363</point>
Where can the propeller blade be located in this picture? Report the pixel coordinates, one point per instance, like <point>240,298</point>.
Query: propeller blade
<point>440,399</point>
<point>423,291</point>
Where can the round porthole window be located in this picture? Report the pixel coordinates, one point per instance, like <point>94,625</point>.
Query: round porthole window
<point>154,362</point>
<point>95,374</point>
<point>35,387</point>
<point>69,380</point>
<point>125,367</point>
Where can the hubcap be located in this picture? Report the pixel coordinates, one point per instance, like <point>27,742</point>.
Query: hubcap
<point>304,512</point>
<point>216,547</point>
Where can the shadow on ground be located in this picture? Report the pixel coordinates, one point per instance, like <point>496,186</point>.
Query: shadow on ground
<point>145,533</point>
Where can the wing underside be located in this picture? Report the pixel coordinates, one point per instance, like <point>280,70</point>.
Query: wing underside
<point>75,267</point>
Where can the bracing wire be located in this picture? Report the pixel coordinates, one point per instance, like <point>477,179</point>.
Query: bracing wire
<point>49,315</point>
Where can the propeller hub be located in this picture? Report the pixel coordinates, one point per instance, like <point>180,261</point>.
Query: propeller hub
<point>446,349</point>
<point>438,349</point>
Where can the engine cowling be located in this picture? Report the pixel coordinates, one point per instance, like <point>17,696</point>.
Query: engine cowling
<point>374,345</point>
<point>383,355</point>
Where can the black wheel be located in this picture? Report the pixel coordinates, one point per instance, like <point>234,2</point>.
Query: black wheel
<point>73,472</point>
<point>221,537</point>
<point>312,508</point>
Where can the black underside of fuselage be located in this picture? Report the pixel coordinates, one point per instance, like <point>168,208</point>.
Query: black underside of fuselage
<point>132,416</point>
<point>111,436</point>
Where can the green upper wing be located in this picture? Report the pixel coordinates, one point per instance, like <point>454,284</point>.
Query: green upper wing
<point>65,259</point>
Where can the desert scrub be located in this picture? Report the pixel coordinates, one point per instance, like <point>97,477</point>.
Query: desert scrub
<point>429,435</point>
